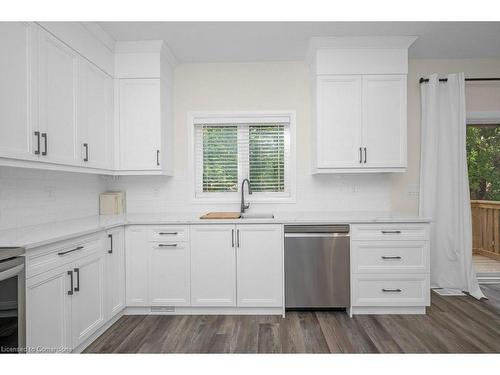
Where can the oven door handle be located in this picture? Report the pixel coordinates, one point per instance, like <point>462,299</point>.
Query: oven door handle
<point>7,274</point>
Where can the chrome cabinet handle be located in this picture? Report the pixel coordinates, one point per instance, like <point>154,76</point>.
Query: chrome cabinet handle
<point>70,251</point>
<point>391,257</point>
<point>237,238</point>
<point>391,290</point>
<point>158,157</point>
<point>167,245</point>
<point>86,158</point>
<point>77,271</point>
<point>365,154</point>
<point>390,231</point>
<point>360,155</point>
<point>110,251</point>
<point>70,291</point>
<point>37,135</point>
<point>232,237</point>
<point>165,233</point>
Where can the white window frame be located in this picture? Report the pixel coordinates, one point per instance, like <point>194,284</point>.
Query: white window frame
<point>197,117</point>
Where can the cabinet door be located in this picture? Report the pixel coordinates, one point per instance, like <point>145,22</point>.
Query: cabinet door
<point>58,65</point>
<point>338,121</point>
<point>136,267</point>
<point>48,311</point>
<point>259,265</point>
<point>140,124</point>
<point>15,89</point>
<point>95,116</point>
<point>213,265</point>
<point>115,272</point>
<point>169,279</point>
<point>384,120</point>
<point>87,309</point>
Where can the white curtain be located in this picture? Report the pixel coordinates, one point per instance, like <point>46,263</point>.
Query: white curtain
<point>444,184</point>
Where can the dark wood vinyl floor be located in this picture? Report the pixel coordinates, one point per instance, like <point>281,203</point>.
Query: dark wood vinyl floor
<point>452,325</point>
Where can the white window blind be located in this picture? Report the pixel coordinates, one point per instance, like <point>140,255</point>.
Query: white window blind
<point>227,152</point>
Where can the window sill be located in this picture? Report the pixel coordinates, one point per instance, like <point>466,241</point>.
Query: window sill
<point>274,200</point>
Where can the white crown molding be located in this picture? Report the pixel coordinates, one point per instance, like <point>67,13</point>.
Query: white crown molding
<point>358,42</point>
<point>146,46</point>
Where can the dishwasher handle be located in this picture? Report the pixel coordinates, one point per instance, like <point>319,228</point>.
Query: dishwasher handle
<point>316,235</point>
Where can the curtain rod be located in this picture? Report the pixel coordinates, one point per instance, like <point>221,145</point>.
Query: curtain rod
<point>422,80</point>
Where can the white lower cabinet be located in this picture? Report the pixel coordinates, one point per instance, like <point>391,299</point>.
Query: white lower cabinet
<point>213,265</point>
<point>259,263</point>
<point>115,272</point>
<point>137,266</point>
<point>48,311</point>
<point>390,268</point>
<point>65,305</point>
<point>236,265</point>
<point>169,279</point>
<point>87,307</point>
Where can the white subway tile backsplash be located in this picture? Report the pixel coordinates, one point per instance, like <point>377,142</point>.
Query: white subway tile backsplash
<point>30,196</point>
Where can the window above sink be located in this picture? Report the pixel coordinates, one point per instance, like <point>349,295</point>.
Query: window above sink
<point>227,147</point>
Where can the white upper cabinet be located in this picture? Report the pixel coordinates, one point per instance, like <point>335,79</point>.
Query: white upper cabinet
<point>140,131</point>
<point>359,104</point>
<point>339,113</point>
<point>384,121</point>
<point>16,89</point>
<point>144,73</point>
<point>58,79</point>
<point>95,116</point>
<point>68,103</point>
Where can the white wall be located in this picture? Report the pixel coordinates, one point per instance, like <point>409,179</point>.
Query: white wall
<point>247,87</point>
<point>29,196</point>
<point>479,97</point>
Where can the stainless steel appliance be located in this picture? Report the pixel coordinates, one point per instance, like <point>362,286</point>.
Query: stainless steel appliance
<point>12,300</point>
<point>317,269</point>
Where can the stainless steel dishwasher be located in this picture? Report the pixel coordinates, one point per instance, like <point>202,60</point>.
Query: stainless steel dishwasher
<point>317,269</point>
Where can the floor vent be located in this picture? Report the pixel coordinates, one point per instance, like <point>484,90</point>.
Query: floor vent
<point>448,292</point>
<point>163,309</point>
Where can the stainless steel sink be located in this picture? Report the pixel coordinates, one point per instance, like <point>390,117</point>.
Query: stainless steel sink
<point>257,216</point>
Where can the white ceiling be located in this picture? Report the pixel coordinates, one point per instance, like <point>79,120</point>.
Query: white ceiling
<point>278,41</point>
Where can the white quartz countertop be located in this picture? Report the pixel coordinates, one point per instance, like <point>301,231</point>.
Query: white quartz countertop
<point>43,234</point>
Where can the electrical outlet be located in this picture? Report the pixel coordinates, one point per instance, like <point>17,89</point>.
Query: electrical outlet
<point>49,190</point>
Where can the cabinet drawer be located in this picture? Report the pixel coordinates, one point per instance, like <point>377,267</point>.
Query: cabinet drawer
<point>169,233</point>
<point>390,257</point>
<point>390,232</point>
<point>390,290</point>
<point>45,258</point>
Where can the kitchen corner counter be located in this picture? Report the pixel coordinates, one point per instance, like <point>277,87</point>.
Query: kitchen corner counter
<point>46,233</point>
<point>43,234</point>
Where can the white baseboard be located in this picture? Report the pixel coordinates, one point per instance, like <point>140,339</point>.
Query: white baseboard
<point>387,310</point>
<point>200,310</point>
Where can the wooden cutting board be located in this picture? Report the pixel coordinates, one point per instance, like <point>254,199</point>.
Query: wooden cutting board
<point>221,215</point>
